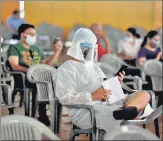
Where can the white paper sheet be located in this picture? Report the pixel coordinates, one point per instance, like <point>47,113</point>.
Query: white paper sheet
<point>114,85</point>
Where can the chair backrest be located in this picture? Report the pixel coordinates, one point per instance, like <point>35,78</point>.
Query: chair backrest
<point>112,60</point>
<point>6,32</point>
<point>130,132</point>
<point>45,42</point>
<point>42,73</point>
<point>17,127</point>
<point>108,70</point>
<point>4,53</point>
<point>153,68</point>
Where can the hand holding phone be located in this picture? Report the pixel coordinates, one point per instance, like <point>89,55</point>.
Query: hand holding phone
<point>123,68</point>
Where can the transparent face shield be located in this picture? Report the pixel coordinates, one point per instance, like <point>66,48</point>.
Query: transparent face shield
<point>89,51</point>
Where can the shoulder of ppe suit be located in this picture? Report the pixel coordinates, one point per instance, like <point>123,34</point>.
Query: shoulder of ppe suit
<point>68,66</point>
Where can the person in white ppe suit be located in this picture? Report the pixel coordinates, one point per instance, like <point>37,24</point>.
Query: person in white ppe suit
<point>79,81</point>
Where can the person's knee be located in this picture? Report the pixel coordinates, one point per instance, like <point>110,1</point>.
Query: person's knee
<point>145,95</point>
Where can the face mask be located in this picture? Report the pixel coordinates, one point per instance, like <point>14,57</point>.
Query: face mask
<point>30,40</point>
<point>128,39</point>
<point>155,43</point>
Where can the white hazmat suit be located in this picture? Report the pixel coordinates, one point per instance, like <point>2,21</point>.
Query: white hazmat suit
<point>76,80</point>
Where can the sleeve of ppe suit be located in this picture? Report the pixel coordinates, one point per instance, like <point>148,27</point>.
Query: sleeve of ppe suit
<point>100,72</point>
<point>66,88</point>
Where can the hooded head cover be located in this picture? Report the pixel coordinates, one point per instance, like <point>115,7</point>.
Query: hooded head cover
<point>83,39</point>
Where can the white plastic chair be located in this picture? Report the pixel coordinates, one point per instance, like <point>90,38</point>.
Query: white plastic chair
<point>45,42</point>
<point>130,133</point>
<point>153,68</point>
<point>43,75</point>
<point>115,62</point>
<point>24,128</point>
<point>7,92</point>
<point>152,117</point>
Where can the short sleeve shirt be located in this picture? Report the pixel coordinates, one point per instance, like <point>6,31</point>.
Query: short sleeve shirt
<point>27,57</point>
<point>148,54</point>
<point>15,23</point>
<point>128,49</point>
<point>101,51</point>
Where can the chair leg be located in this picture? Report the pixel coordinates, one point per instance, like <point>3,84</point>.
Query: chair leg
<point>21,98</point>
<point>59,118</point>
<point>156,124</point>
<point>11,110</point>
<point>90,136</point>
<point>27,102</point>
<point>101,133</point>
<point>72,135</point>
<point>144,126</point>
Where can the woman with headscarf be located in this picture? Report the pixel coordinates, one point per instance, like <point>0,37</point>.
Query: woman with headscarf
<point>129,46</point>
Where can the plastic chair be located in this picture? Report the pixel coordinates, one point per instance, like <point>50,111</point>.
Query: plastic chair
<point>45,42</point>
<point>93,132</point>
<point>6,32</point>
<point>152,117</point>
<point>130,133</point>
<point>116,62</point>
<point>7,96</point>
<point>140,30</point>
<point>153,68</point>
<point>108,70</point>
<point>24,128</point>
<point>43,76</point>
<point>24,91</point>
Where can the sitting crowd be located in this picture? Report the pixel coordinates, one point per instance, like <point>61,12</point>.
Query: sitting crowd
<point>79,80</point>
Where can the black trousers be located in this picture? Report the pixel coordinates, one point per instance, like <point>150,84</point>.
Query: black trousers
<point>19,87</point>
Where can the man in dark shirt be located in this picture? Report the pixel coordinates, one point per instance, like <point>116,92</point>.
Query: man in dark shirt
<point>24,54</point>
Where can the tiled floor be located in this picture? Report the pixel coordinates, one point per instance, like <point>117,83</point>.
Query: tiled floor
<point>66,125</point>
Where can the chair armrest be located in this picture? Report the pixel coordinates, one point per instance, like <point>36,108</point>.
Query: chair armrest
<point>17,72</point>
<point>128,89</point>
<point>153,99</point>
<point>89,107</point>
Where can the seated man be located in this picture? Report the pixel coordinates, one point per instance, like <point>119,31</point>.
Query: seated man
<point>79,81</point>
<point>15,21</point>
<point>24,54</point>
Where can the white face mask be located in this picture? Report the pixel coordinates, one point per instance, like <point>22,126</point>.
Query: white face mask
<point>155,43</point>
<point>30,40</point>
<point>128,39</point>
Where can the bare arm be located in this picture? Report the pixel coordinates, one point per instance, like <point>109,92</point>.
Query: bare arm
<point>107,43</point>
<point>52,60</point>
<point>159,56</point>
<point>14,61</point>
<point>141,60</point>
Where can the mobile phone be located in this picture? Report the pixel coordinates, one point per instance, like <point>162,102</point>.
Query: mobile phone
<point>123,68</point>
